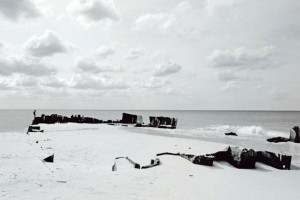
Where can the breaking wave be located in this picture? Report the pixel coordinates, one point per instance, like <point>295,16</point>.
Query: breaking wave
<point>243,131</point>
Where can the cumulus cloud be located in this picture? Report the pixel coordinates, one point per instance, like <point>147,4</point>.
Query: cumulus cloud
<point>17,9</point>
<point>181,21</point>
<point>166,68</point>
<point>85,81</point>
<point>135,53</point>
<point>160,56</point>
<point>152,22</point>
<point>5,85</point>
<point>105,51</point>
<point>54,82</point>
<point>93,11</point>
<point>231,85</point>
<point>47,44</point>
<point>19,82</point>
<point>243,58</point>
<point>155,83</point>
<point>88,65</point>
<point>28,66</point>
<point>231,76</point>
<point>27,82</point>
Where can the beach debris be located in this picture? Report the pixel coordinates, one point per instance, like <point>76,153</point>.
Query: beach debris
<point>198,160</point>
<point>138,125</point>
<point>295,134</point>
<point>49,158</point>
<point>237,157</point>
<point>157,122</point>
<point>34,129</point>
<point>163,122</point>
<point>114,167</point>
<point>61,181</point>
<point>153,163</point>
<point>273,160</point>
<point>278,139</point>
<point>131,119</point>
<point>231,134</point>
<point>241,158</point>
<point>55,118</point>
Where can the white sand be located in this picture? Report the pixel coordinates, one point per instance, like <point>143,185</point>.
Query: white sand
<point>84,155</point>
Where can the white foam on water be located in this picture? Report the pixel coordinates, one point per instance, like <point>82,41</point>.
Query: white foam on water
<point>242,131</point>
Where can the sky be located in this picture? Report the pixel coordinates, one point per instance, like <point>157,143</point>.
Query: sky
<point>150,54</point>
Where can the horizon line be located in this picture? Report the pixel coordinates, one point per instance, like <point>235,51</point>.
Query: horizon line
<point>237,110</point>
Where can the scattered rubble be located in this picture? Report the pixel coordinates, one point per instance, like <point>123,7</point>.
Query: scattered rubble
<point>231,134</point>
<point>49,158</point>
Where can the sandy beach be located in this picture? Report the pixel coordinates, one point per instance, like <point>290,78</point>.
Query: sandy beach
<point>84,155</point>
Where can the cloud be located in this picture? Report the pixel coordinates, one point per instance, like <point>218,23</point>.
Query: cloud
<point>135,53</point>
<point>47,44</point>
<point>105,51</point>
<point>152,22</point>
<point>27,82</point>
<point>166,68</point>
<point>160,56</point>
<point>93,11</point>
<point>278,95</point>
<point>88,65</point>
<point>5,85</point>
<point>231,85</point>
<point>258,87</point>
<point>54,82</point>
<point>155,83</point>
<point>17,9</point>
<point>231,76</point>
<point>242,58</point>
<point>24,65</point>
<point>181,21</point>
<point>227,76</point>
<point>19,82</point>
<point>84,81</point>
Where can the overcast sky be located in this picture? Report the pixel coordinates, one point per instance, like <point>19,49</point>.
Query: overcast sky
<point>150,54</point>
